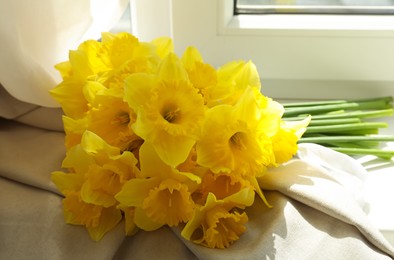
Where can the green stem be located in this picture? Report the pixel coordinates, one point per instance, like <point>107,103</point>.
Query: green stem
<point>386,154</point>
<point>325,139</point>
<point>335,121</point>
<point>313,103</point>
<point>342,114</point>
<point>379,103</point>
<point>357,127</point>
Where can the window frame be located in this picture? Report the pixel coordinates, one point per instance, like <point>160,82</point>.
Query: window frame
<point>297,56</point>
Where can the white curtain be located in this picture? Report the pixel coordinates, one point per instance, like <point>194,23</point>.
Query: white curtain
<point>35,35</point>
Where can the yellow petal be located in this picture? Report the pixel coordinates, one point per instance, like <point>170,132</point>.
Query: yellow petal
<point>85,61</point>
<point>223,227</point>
<point>130,227</point>
<point>213,150</point>
<point>67,182</point>
<point>78,160</point>
<point>170,203</point>
<point>299,127</point>
<point>171,68</point>
<point>100,187</point>
<point>137,90</point>
<point>118,48</point>
<point>173,150</point>
<point>135,191</point>
<point>164,46</point>
<point>144,222</point>
<point>107,37</point>
<point>109,218</point>
<point>65,69</point>
<point>222,185</point>
<point>190,57</point>
<point>241,199</point>
<point>90,89</point>
<point>70,96</point>
<point>74,129</point>
<point>151,164</point>
<point>95,145</point>
<point>78,212</point>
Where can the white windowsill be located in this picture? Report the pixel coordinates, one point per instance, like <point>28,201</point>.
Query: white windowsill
<point>379,188</point>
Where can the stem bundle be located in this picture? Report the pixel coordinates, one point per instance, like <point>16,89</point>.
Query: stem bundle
<point>343,124</point>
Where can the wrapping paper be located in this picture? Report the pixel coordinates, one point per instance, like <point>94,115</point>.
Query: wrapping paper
<point>318,208</point>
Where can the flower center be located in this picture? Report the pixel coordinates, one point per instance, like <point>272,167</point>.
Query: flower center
<point>238,141</point>
<point>171,113</point>
<point>122,118</point>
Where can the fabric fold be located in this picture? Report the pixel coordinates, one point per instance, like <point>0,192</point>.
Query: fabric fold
<point>319,183</point>
<point>315,213</point>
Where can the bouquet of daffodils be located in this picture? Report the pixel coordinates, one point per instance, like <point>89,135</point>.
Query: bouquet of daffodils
<point>154,139</point>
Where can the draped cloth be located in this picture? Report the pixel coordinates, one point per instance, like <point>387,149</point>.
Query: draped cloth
<point>318,206</point>
<point>36,35</point>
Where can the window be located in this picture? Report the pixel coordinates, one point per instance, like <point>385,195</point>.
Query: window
<point>314,7</point>
<point>297,56</point>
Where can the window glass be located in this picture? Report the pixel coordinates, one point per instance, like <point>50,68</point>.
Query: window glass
<point>314,7</point>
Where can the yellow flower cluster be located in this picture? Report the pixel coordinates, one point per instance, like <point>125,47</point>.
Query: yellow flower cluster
<point>155,139</point>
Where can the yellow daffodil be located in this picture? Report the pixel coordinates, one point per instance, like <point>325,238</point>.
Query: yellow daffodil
<point>202,75</point>
<point>285,140</point>
<point>222,185</point>
<point>232,140</point>
<point>98,172</point>
<point>69,94</point>
<point>217,224</point>
<point>119,49</point>
<point>164,46</point>
<point>98,220</point>
<point>161,195</point>
<point>111,170</point>
<point>85,61</point>
<point>233,79</point>
<point>74,129</point>
<point>169,110</point>
<point>223,227</point>
<point>129,213</point>
<point>111,119</point>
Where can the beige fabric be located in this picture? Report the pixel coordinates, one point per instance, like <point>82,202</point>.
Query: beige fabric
<point>315,215</point>
<point>34,115</point>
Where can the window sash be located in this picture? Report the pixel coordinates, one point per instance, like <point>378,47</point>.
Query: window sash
<point>301,56</point>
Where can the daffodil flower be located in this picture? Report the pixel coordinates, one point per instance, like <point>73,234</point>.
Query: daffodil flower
<point>222,185</point>
<point>111,119</point>
<point>233,79</point>
<point>98,220</point>
<point>161,194</point>
<point>202,75</point>
<point>217,224</point>
<point>286,139</point>
<point>98,171</point>
<point>233,140</point>
<point>169,110</point>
